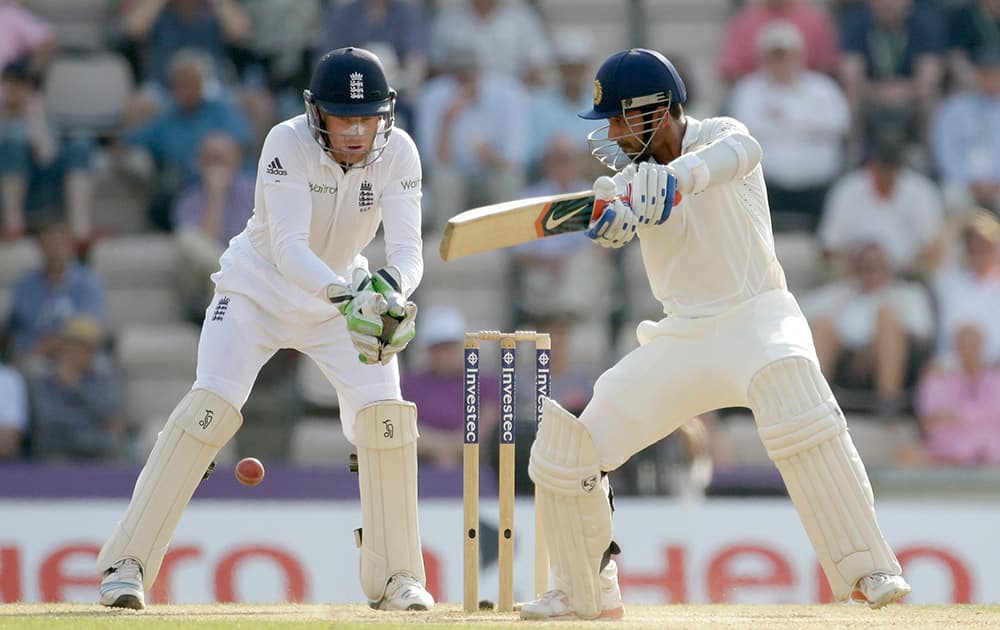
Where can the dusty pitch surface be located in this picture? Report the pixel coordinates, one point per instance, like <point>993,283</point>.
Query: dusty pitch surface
<point>74,616</point>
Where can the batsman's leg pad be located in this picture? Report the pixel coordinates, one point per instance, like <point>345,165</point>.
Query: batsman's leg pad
<point>806,437</point>
<point>573,501</point>
<point>199,426</point>
<point>386,435</point>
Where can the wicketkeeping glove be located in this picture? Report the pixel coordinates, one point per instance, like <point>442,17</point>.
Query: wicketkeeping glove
<point>362,308</point>
<point>612,222</point>
<point>654,193</point>
<point>399,321</point>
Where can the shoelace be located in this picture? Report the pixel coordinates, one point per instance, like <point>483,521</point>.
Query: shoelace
<point>878,578</point>
<point>403,582</point>
<point>128,570</point>
<point>550,596</point>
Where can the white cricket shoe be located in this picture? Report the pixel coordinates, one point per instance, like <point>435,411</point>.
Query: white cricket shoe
<point>554,606</point>
<point>881,589</point>
<point>122,585</point>
<point>404,591</point>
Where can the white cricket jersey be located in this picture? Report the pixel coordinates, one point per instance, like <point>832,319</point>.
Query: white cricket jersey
<point>716,250</point>
<point>311,220</point>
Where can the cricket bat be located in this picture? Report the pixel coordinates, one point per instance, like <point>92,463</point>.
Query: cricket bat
<point>513,222</point>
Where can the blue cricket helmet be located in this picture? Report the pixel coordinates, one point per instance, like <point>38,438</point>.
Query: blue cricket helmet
<point>632,78</point>
<point>350,82</point>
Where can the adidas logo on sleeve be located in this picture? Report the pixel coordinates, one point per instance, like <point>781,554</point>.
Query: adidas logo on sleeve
<point>275,168</point>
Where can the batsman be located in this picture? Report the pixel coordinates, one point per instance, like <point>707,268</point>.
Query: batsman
<point>295,278</point>
<point>693,192</point>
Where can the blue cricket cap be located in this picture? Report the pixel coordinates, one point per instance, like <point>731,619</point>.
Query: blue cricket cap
<point>634,78</point>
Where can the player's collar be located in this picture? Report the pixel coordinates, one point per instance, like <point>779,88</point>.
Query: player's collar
<point>691,133</point>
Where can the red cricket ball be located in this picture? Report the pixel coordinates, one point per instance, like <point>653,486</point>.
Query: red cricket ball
<point>250,471</point>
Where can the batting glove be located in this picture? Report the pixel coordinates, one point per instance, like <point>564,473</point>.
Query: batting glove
<point>654,193</point>
<point>362,308</point>
<point>612,222</point>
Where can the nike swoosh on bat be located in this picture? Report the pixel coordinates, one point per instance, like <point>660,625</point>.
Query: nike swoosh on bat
<point>552,223</point>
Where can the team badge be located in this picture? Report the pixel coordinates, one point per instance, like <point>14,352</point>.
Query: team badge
<point>366,196</point>
<point>357,85</point>
<point>598,92</point>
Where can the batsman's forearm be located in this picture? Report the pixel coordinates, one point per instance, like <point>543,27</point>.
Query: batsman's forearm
<point>730,157</point>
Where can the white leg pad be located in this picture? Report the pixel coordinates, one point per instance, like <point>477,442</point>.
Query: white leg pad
<point>386,437</point>
<point>573,501</point>
<point>199,426</point>
<point>806,437</point>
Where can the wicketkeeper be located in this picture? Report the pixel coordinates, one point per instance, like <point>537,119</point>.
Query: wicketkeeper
<point>295,278</point>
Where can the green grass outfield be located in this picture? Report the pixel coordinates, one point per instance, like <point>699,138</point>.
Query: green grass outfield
<point>732,616</point>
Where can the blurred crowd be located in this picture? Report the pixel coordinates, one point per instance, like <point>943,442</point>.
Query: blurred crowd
<point>879,121</point>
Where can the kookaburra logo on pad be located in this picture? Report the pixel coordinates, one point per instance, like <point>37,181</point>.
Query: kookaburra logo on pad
<point>589,483</point>
<point>357,85</point>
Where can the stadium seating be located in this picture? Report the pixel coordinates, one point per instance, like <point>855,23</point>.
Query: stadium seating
<point>71,100</point>
<point>16,258</point>
<point>157,350</point>
<point>136,261</point>
<point>80,25</point>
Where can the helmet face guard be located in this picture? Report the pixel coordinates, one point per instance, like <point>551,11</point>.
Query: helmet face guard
<point>350,83</point>
<point>606,148</point>
<point>633,80</point>
<point>384,110</point>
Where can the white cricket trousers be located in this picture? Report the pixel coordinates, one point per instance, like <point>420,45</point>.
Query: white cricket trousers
<point>685,367</point>
<point>239,336</point>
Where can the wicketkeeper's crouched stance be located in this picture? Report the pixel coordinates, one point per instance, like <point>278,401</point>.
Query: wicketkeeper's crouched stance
<point>295,278</point>
<point>734,337</point>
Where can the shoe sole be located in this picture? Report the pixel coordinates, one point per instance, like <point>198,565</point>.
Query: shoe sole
<point>127,601</point>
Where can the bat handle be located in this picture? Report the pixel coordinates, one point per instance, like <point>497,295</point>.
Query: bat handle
<point>605,189</point>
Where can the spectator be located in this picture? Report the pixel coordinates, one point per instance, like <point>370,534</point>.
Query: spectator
<point>13,412</point>
<point>884,202</point>
<point>554,109</point>
<point>872,329</point>
<point>973,28</point>
<point>472,129</point>
<point>966,140</point>
<point>968,294</point>
<point>39,169</point>
<point>24,36</point>
<point>159,28</point>
<point>396,24</point>
<point>508,37</point>
<point>739,56</point>
<point>892,63</point>
<point>280,49</point>
<point>800,118</point>
<point>543,272</point>
<point>435,385</point>
<point>75,398</point>
<point>172,136</point>
<point>45,298</point>
<point>208,214</point>
<point>959,409</point>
